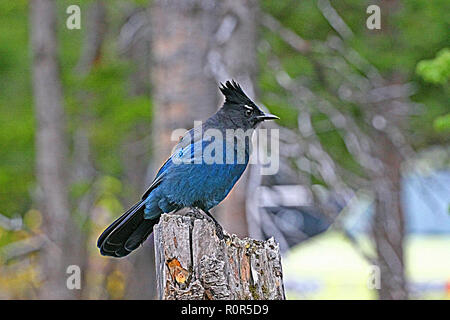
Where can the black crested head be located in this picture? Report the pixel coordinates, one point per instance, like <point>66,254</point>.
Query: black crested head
<point>233,93</point>
<point>239,111</point>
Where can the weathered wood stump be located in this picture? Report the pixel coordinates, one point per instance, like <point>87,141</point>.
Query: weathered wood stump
<point>193,263</point>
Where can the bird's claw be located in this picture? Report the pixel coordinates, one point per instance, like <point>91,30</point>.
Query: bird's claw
<point>220,233</point>
<point>195,213</point>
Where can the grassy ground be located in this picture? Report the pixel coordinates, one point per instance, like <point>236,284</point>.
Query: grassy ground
<point>328,267</point>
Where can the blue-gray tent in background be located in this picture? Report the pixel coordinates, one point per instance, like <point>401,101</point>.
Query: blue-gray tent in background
<point>426,203</point>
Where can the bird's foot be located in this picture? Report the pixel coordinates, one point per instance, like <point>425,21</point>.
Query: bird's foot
<point>219,231</point>
<point>194,213</point>
<point>221,234</point>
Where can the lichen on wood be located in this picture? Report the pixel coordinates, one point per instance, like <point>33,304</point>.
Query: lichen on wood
<point>193,263</point>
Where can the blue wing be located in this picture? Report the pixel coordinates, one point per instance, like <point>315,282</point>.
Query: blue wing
<point>185,142</point>
<point>193,180</point>
<point>195,175</point>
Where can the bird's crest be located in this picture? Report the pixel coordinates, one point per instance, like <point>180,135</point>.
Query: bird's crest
<point>233,93</point>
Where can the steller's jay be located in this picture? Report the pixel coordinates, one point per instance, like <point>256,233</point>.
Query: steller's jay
<point>188,178</point>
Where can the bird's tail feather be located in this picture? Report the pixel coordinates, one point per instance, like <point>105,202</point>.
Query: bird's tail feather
<point>127,232</point>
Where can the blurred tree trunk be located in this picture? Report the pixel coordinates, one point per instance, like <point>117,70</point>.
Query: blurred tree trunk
<point>96,27</point>
<point>183,91</point>
<point>235,57</point>
<point>51,150</point>
<point>197,44</point>
<point>83,170</point>
<point>135,44</point>
<point>388,222</point>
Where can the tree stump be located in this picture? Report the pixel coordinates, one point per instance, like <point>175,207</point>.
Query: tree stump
<point>192,263</point>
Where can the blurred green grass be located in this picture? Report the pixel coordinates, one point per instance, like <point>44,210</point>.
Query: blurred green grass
<point>340,272</point>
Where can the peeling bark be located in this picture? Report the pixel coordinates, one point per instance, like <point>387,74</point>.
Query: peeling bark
<point>192,263</point>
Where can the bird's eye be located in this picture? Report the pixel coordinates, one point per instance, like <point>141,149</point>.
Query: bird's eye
<point>248,110</point>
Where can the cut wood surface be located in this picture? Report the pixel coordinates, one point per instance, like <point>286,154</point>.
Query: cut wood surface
<point>192,263</point>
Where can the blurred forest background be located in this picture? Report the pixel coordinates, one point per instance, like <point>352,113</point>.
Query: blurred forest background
<point>86,117</point>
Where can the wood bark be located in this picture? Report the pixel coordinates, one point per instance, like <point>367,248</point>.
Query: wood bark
<point>192,263</point>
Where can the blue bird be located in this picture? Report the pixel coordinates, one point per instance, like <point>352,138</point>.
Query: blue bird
<point>206,164</point>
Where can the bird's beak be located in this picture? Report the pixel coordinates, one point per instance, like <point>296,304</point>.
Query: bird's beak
<point>267,116</point>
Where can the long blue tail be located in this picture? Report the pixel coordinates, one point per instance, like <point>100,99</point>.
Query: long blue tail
<point>127,232</point>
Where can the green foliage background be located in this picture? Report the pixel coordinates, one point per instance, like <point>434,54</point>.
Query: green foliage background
<point>415,31</point>
<point>100,102</point>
